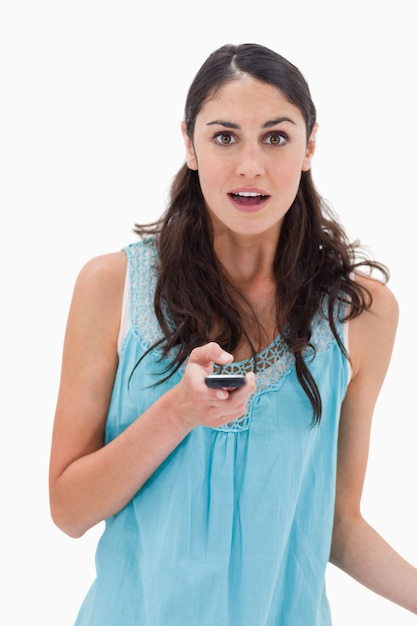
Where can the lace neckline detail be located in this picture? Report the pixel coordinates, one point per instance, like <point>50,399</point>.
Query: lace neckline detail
<point>273,363</point>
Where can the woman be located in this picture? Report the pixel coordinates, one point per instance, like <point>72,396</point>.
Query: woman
<point>223,506</point>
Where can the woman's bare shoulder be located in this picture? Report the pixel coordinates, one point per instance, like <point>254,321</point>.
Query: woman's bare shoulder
<point>104,268</point>
<point>384,302</point>
<point>98,290</point>
<point>372,333</point>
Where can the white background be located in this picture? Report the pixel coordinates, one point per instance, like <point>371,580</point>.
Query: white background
<point>92,95</point>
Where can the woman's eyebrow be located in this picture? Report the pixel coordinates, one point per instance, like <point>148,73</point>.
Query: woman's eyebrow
<point>278,120</point>
<point>224,123</point>
<point>268,124</point>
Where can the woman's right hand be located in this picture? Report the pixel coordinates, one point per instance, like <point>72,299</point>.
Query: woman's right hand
<point>198,405</point>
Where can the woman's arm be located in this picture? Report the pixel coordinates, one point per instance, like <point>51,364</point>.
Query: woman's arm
<point>88,480</point>
<point>357,548</point>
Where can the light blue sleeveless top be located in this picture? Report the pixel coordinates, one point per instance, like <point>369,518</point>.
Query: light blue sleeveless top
<point>234,528</point>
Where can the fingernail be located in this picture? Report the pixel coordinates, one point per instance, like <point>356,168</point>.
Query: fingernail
<point>225,356</point>
<point>221,395</point>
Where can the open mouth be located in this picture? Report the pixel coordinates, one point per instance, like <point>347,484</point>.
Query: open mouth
<point>248,198</point>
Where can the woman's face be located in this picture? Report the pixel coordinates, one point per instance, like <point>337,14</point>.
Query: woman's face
<point>249,147</point>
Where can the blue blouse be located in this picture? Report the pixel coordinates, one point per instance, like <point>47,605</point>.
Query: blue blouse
<point>234,528</point>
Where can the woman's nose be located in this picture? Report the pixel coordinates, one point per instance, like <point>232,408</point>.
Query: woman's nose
<point>250,161</point>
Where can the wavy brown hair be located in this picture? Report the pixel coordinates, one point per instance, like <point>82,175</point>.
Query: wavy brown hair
<point>194,300</point>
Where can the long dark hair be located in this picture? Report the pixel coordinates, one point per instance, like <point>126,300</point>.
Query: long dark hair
<point>313,265</point>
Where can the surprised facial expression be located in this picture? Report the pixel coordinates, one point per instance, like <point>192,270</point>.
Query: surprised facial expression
<point>249,147</point>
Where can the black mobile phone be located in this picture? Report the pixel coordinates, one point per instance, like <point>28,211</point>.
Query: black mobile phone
<point>225,381</point>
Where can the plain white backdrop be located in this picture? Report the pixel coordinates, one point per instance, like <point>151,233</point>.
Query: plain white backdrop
<point>92,96</point>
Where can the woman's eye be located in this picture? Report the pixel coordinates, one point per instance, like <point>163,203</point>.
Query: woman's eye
<point>224,139</point>
<point>277,139</point>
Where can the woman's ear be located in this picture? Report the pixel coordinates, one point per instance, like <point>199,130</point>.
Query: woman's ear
<point>189,148</point>
<point>310,150</point>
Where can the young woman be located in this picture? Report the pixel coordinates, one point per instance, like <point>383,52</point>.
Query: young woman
<point>223,506</point>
